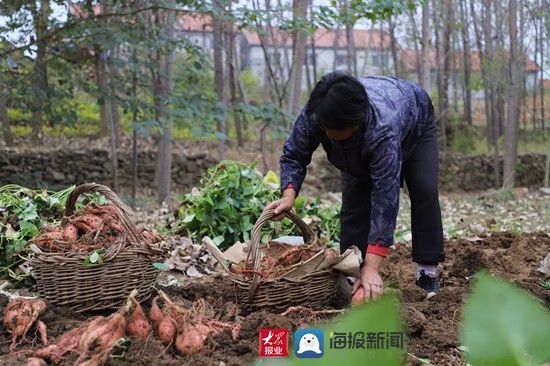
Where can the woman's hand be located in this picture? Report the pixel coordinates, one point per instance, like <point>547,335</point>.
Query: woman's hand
<point>370,278</point>
<point>284,204</point>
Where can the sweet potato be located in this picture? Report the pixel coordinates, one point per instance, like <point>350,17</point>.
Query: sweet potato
<point>35,361</point>
<point>138,326</point>
<point>190,339</point>
<point>87,222</point>
<point>358,297</point>
<point>156,314</point>
<point>43,332</point>
<point>167,329</point>
<point>20,314</point>
<point>65,344</point>
<point>70,232</point>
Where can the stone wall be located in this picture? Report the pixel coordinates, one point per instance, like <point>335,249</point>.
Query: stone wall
<point>57,169</point>
<point>457,173</point>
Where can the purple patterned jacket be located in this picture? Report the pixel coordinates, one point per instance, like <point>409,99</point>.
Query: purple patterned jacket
<point>400,111</point>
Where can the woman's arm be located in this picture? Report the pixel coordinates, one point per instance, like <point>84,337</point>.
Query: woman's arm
<point>297,153</point>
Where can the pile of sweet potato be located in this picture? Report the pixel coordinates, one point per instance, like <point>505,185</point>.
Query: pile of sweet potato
<point>19,316</point>
<point>273,267</point>
<point>96,338</point>
<point>91,228</point>
<point>186,328</point>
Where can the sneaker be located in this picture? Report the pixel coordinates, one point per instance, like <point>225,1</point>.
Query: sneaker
<point>430,284</point>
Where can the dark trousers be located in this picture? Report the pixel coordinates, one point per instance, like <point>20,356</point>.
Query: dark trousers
<point>420,174</point>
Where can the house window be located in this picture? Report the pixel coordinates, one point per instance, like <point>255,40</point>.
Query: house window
<point>375,60</point>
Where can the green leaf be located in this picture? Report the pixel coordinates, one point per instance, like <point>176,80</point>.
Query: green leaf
<point>218,240</point>
<point>28,229</point>
<point>94,257</point>
<point>504,326</point>
<point>160,266</point>
<point>188,218</point>
<point>271,178</point>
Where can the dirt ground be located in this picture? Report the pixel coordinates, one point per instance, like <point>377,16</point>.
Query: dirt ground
<point>432,325</point>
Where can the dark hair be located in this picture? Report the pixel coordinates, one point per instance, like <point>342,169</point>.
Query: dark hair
<point>338,101</point>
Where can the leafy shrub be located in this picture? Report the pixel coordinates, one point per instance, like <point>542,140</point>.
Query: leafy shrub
<point>231,198</point>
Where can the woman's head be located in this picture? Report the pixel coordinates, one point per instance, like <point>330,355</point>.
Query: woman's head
<point>339,103</point>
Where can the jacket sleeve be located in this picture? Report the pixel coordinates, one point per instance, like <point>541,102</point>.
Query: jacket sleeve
<point>297,153</point>
<point>385,175</point>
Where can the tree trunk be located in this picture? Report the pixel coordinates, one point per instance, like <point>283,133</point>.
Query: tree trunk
<point>417,61</point>
<point>103,100</point>
<point>114,153</point>
<point>6,130</point>
<point>534,115</point>
<point>163,97</point>
<point>219,84</point>
<point>514,101</point>
<point>467,62</point>
<point>230,61</point>
<point>335,45</point>
<point>40,72</point>
<point>442,74</point>
<point>391,26</point>
<point>425,82</point>
<point>298,56</point>
<point>351,60</point>
<point>542,39</point>
<point>115,114</point>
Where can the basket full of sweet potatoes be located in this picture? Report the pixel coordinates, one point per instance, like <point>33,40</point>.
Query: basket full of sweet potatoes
<point>96,256</point>
<point>275,275</point>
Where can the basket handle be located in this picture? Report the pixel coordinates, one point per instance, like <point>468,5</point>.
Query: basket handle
<point>124,210</point>
<point>254,253</point>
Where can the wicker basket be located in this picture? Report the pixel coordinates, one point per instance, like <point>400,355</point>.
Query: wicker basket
<point>63,279</point>
<point>313,290</point>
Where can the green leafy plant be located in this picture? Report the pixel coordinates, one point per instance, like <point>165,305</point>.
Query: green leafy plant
<point>231,198</point>
<point>22,213</point>
<point>504,326</point>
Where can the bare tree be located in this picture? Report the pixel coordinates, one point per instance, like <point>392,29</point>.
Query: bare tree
<point>40,73</point>
<point>219,77</point>
<point>440,14</point>
<point>230,62</point>
<point>467,61</point>
<point>425,80</point>
<point>351,60</point>
<point>393,42</point>
<point>514,99</point>
<point>542,39</point>
<point>417,55</point>
<point>6,130</point>
<point>298,55</point>
<point>162,75</point>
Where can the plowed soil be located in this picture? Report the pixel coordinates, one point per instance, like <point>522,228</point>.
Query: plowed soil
<point>432,325</point>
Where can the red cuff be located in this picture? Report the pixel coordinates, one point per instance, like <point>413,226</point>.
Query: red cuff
<point>289,185</point>
<point>376,248</point>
